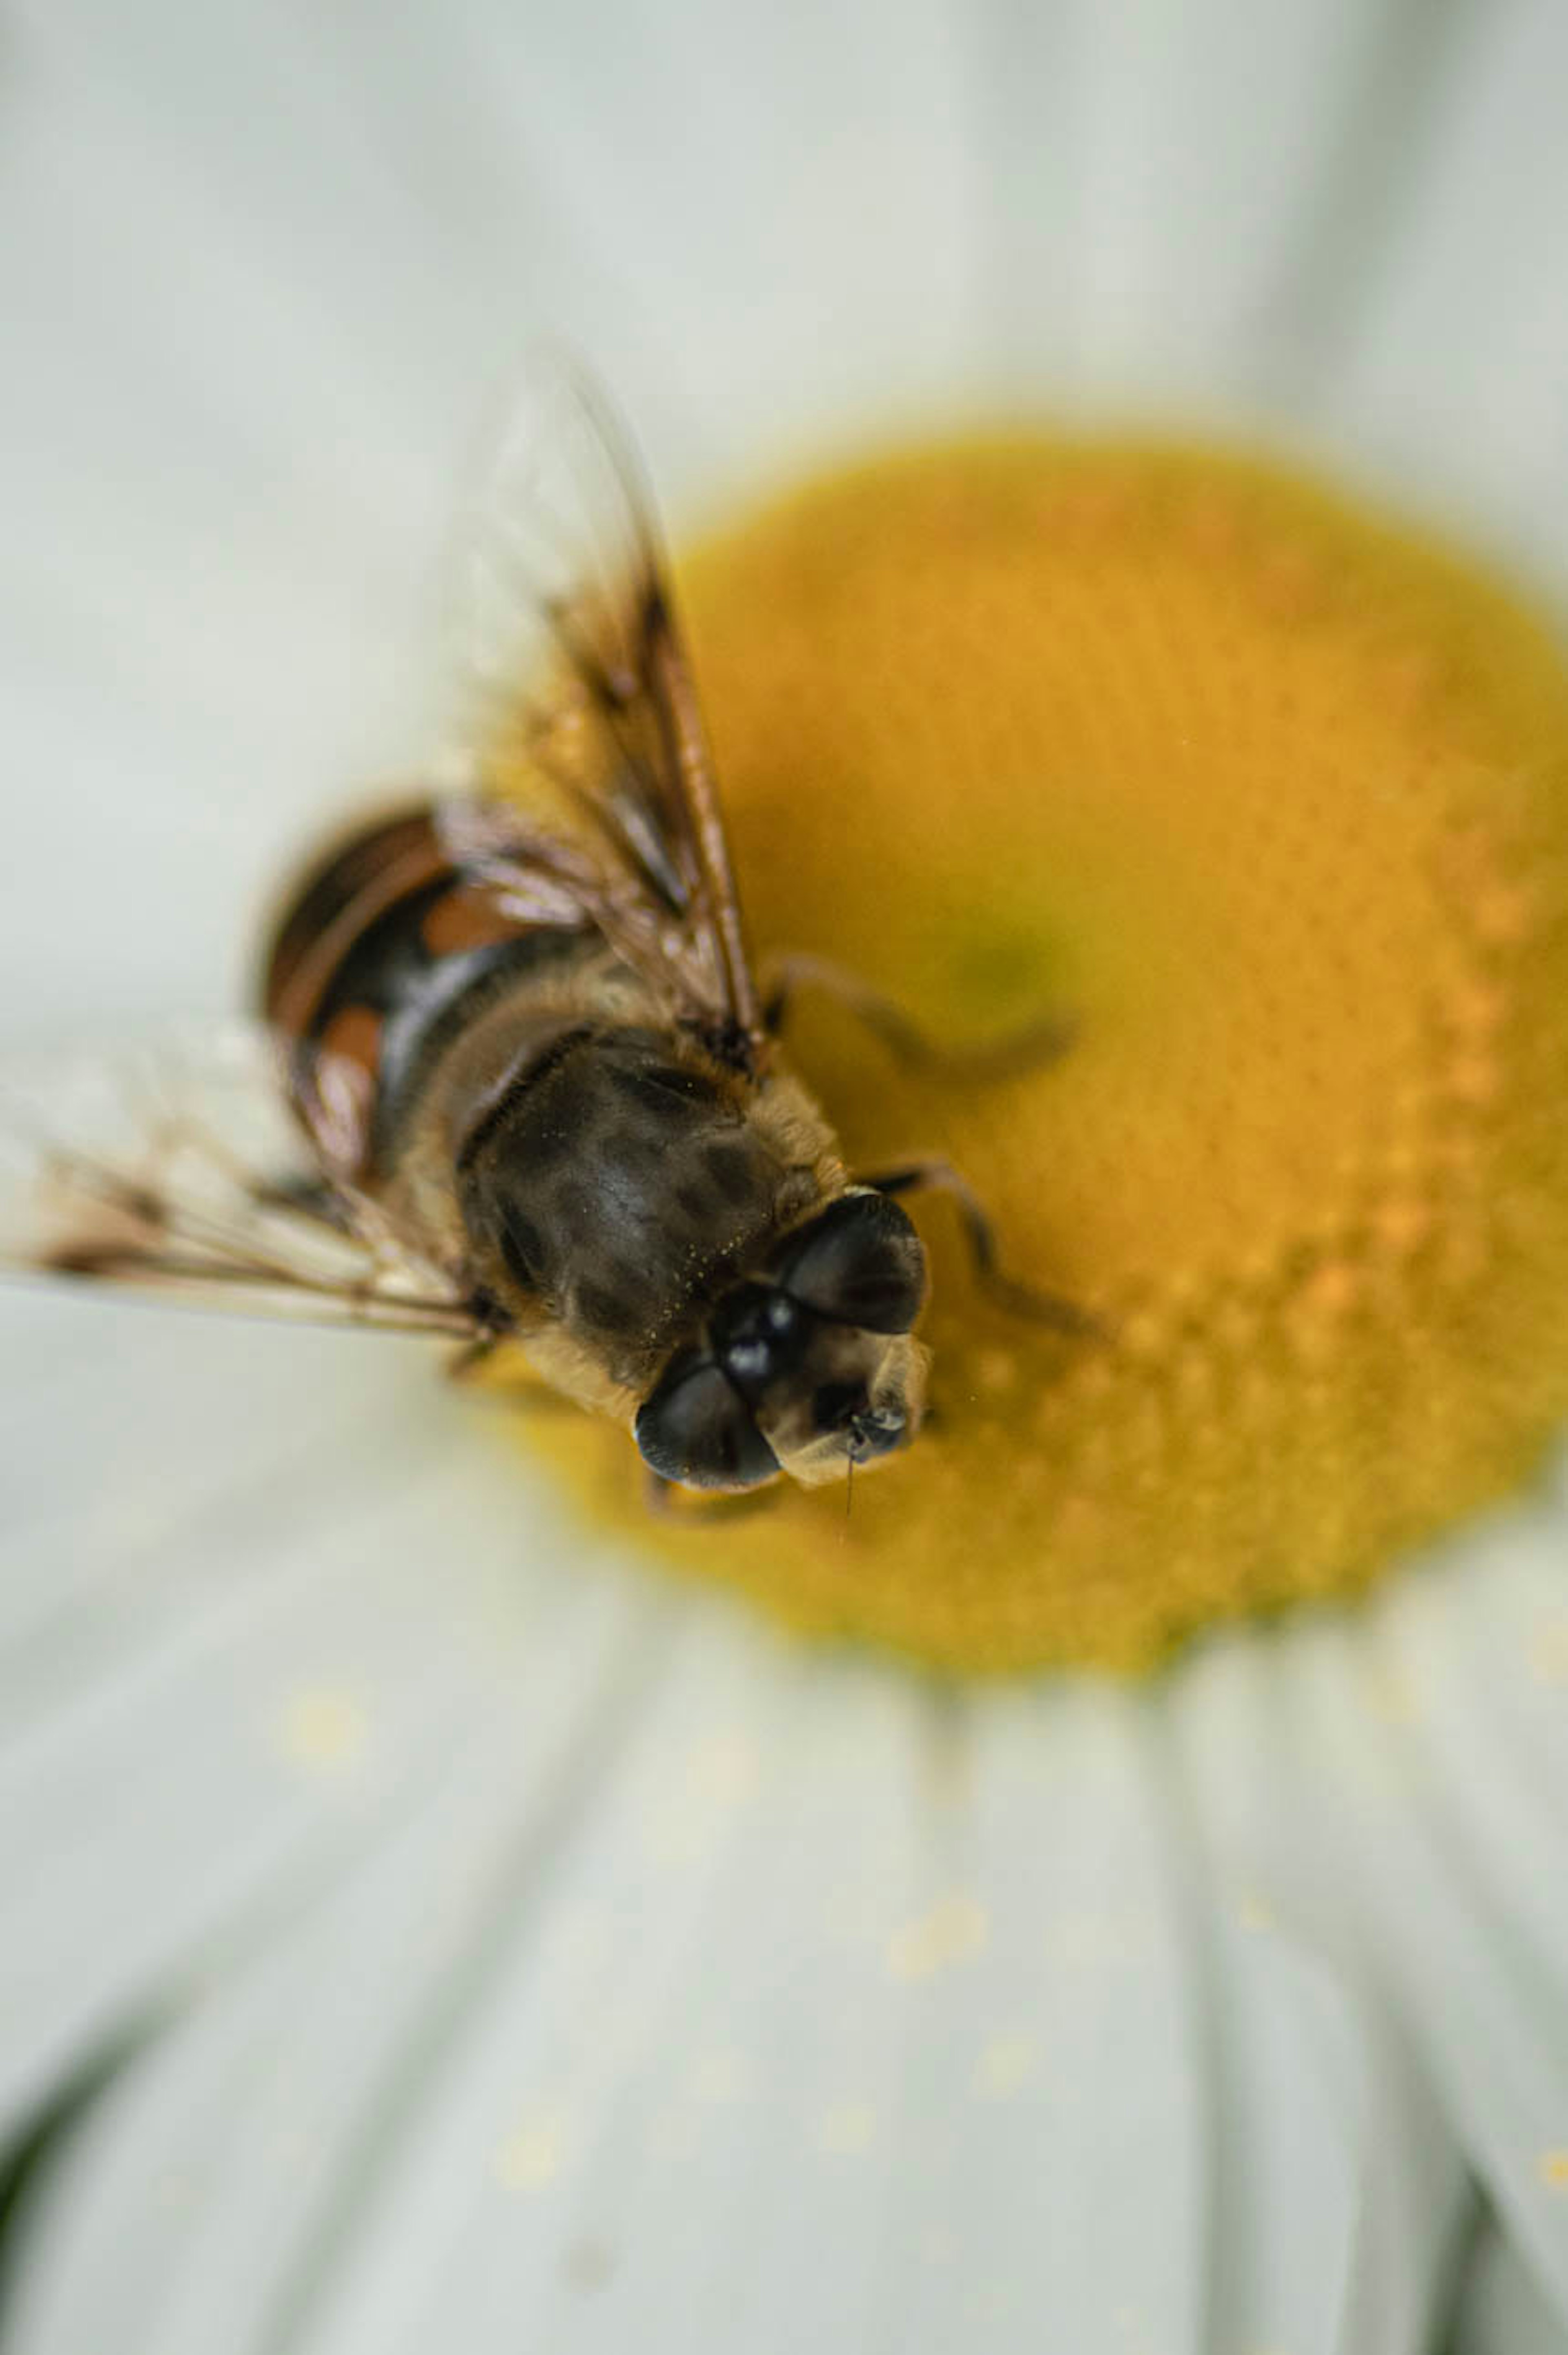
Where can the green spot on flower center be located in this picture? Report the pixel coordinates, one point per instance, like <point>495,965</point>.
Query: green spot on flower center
<point>1273,800</point>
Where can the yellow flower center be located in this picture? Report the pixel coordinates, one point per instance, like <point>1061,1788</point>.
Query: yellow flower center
<point>1273,801</point>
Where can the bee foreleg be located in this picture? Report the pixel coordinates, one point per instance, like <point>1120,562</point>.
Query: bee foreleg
<point>1038,1042</point>
<point>669,1500</point>
<point>1019,1299</point>
<point>465,1364</point>
<point>661,1497</point>
<point>512,1381</point>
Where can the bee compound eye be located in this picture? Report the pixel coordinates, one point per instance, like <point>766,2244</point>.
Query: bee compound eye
<point>859,1262</point>
<point>754,1334</point>
<point>694,1426</point>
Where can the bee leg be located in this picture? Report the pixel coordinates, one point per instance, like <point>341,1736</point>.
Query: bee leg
<point>1026,1050</point>
<point>473,1357</point>
<point>661,1497</point>
<point>668,1500</point>
<point>1018,1298</point>
<point>520,1386</point>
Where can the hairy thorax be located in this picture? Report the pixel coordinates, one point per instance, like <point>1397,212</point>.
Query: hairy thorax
<point>614,1181</point>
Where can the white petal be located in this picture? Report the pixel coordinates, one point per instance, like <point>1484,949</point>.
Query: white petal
<point>789,2006</point>
<point>1502,2310</point>
<point>1170,188</point>
<point>1451,372</point>
<point>250,2135</point>
<point>224,1667</point>
<point>1336,2100</point>
<point>1433,1747</point>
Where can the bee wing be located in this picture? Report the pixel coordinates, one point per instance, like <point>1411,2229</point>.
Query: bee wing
<point>179,1173</point>
<point>584,704</point>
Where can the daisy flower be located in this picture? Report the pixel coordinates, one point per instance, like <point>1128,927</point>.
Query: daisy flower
<point>1110,1892</point>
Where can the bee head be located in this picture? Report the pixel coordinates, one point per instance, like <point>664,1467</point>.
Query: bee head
<point>807,1367</point>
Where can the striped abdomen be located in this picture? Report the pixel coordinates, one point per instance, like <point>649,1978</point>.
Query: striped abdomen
<point>525,1111</point>
<point>378,961</point>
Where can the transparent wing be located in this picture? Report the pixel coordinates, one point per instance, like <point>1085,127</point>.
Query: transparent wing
<point>176,1171</point>
<point>584,729</point>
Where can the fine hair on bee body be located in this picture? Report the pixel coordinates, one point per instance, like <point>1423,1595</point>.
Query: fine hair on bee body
<point>653,1207</point>
<point>542,1096</point>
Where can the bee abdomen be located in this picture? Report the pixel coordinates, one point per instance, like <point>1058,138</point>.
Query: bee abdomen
<point>374,962</point>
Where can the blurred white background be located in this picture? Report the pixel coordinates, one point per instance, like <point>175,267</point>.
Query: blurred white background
<point>265,270</point>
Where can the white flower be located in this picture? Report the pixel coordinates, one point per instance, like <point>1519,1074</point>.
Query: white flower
<point>492,1949</point>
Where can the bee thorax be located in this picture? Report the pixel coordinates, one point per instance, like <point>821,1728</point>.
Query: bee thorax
<point>619,1187</point>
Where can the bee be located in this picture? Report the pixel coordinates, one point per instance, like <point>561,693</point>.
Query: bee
<point>535,1092</point>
